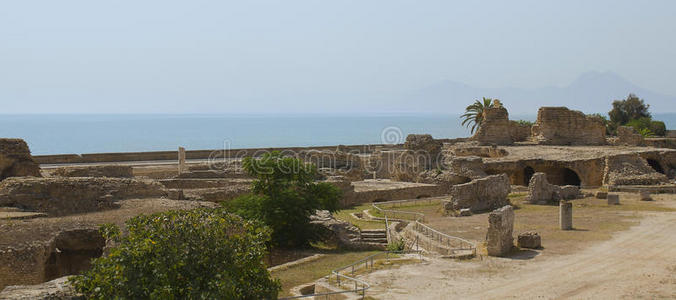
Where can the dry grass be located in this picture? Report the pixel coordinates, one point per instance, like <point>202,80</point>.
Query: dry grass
<point>344,215</point>
<point>593,220</point>
<point>313,270</point>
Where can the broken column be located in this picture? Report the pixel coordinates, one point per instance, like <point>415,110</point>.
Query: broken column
<point>181,161</point>
<point>566,215</point>
<point>613,199</point>
<point>499,239</point>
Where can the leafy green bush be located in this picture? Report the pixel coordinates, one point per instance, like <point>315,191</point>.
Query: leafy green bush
<point>396,246</point>
<point>284,197</point>
<point>197,254</point>
<point>525,123</point>
<point>656,128</point>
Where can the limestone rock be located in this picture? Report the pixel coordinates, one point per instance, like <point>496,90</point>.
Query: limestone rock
<point>423,142</point>
<point>16,159</point>
<point>561,126</point>
<point>529,239</point>
<point>626,135</point>
<point>541,191</point>
<point>601,195</point>
<point>465,212</point>
<point>630,169</point>
<point>495,128</point>
<point>60,196</point>
<point>470,167</point>
<point>481,194</point>
<point>613,199</point>
<point>565,215</point>
<point>499,239</point>
<point>57,289</point>
<point>95,171</point>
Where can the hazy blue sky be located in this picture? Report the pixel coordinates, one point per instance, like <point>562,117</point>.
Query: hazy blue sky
<point>293,56</point>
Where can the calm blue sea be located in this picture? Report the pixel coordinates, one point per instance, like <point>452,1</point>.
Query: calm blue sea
<point>58,134</point>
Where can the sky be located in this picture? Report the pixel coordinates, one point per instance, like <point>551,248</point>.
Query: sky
<point>313,56</point>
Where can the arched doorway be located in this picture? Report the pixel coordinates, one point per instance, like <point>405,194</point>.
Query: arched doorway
<point>655,165</point>
<point>527,175</point>
<point>571,178</point>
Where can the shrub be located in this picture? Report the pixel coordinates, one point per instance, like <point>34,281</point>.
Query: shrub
<point>396,246</point>
<point>198,254</point>
<point>658,128</point>
<point>284,197</point>
<point>525,123</point>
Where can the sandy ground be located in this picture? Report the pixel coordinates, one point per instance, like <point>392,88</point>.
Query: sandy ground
<point>634,264</point>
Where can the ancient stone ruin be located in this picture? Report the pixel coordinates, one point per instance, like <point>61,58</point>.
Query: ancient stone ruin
<point>542,192</point>
<point>529,239</point>
<point>627,136</point>
<point>499,238</point>
<point>497,129</point>
<point>95,171</point>
<point>566,215</point>
<point>561,126</point>
<point>481,194</point>
<point>59,196</point>
<point>16,159</point>
<point>630,169</point>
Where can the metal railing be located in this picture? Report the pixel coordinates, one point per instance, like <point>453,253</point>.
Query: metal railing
<point>355,285</point>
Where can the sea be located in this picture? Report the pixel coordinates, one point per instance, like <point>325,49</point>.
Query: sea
<point>98,133</point>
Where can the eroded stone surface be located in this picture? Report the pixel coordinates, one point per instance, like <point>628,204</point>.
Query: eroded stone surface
<point>95,171</point>
<point>630,169</point>
<point>481,194</point>
<point>529,239</point>
<point>62,195</point>
<point>16,159</point>
<point>561,126</point>
<point>57,289</point>
<point>499,239</point>
<point>541,191</point>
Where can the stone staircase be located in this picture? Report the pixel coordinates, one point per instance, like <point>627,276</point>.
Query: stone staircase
<point>377,236</point>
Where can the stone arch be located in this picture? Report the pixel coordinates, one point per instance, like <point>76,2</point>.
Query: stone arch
<point>527,175</point>
<point>570,177</point>
<point>655,165</point>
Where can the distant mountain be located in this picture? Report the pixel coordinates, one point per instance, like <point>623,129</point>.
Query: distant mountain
<point>591,92</point>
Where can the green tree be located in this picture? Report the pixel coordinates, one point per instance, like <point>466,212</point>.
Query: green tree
<point>474,113</point>
<point>284,197</point>
<point>628,109</point>
<point>197,254</point>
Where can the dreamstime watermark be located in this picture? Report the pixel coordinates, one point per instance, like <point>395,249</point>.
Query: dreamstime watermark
<point>386,160</point>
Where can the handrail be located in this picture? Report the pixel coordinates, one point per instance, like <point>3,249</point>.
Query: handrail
<point>360,286</point>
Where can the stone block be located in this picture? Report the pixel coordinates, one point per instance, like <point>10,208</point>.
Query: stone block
<point>481,194</point>
<point>613,199</point>
<point>529,239</point>
<point>601,195</point>
<point>565,215</point>
<point>175,194</point>
<point>499,239</point>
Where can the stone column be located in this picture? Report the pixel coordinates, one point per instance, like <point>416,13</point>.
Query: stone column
<point>499,239</point>
<point>181,160</point>
<point>613,199</point>
<point>566,215</point>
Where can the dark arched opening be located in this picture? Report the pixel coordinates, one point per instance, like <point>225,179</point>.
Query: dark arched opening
<point>527,175</point>
<point>571,178</point>
<point>655,165</point>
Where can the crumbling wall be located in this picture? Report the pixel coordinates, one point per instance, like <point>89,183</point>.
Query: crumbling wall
<point>630,169</point>
<point>16,159</point>
<point>541,191</point>
<point>499,238</point>
<point>561,126</point>
<point>58,196</point>
<point>481,194</point>
<point>95,171</point>
<point>627,136</point>
<point>495,128</point>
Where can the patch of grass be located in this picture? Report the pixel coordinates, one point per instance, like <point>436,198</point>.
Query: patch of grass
<point>344,214</point>
<point>313,270</point>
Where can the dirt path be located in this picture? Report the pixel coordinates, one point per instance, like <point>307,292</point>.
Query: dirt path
<point>637,263</point>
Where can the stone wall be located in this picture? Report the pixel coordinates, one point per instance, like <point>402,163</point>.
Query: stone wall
<point>628,136</point>
<point>481,194</point>
<point>499,238</point>
<point>16,159</point>
<point>540,191</point>
<point>60,196</point>
<point>495,128</point>
<point>95,171</point>
<point>561,126</point>
<point>630,169</point>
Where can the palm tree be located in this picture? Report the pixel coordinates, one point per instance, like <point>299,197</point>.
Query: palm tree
<point>474,114</point>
